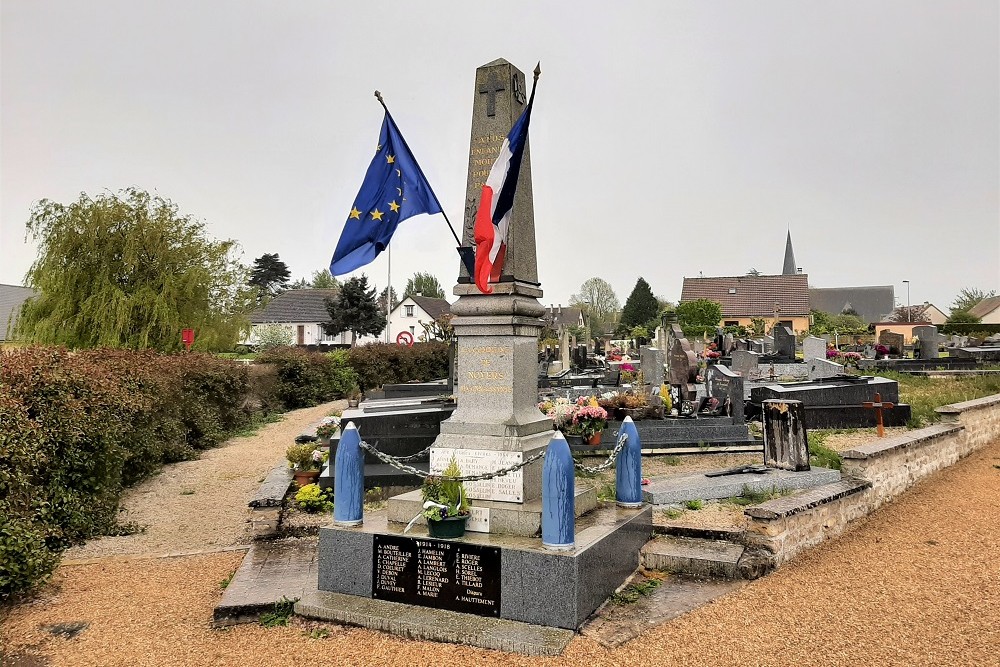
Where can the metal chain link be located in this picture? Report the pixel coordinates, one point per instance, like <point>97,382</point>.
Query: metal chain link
<point>412,457</point>
<point>399,465</point>
<point>622,439</point>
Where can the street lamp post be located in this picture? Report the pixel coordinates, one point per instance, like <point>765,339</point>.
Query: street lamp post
<point>907,283</point>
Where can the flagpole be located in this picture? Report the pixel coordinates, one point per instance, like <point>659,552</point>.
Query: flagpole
<point>388,290</point>
<point>378,95</point>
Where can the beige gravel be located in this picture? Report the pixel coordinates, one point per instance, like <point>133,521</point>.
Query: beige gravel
<point>844,440</point>
<point>914,584</point>
<point>202,505</point>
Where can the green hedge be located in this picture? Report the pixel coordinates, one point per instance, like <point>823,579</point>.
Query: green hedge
<point>79,427</point>
<point>309,378</point>
<point>381,363</point>
<point>970,329</point>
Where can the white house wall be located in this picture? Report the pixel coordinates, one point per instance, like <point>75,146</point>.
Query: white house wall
<point>312,334</point>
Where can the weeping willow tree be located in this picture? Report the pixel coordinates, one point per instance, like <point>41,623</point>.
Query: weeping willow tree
<point>127,270</point>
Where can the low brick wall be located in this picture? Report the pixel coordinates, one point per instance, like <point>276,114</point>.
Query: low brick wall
<point>874,474</point>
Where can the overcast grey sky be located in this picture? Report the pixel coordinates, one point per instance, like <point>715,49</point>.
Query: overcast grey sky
<point>668,138</point>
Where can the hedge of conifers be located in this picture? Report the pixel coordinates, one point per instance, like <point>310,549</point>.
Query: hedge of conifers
<point>76,428</point>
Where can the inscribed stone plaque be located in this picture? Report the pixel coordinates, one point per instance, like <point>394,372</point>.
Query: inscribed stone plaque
<point>436,573</point>
<point>508,488</point>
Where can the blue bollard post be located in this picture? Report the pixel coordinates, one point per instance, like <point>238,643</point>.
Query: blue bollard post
<point>628,468</point>
<point>558,516</point>
<point>349,478</point>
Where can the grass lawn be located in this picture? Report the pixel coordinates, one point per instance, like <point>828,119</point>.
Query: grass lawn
<point>924,394</point>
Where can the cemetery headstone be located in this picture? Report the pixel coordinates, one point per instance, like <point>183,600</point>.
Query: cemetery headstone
<point>651,365</point>
<point>785,443</point>
<point>745,363</point>
<point>728,344</point>
<point>784,343</point>
<point>726,386</point>
<point>756,346</point>
<point>813,348</point>
<point>893,341</point>
<point>768,344</point>
<point>927,341</point>
<point>683,366</point>
<point>564,348</point>
<point>822,368</point>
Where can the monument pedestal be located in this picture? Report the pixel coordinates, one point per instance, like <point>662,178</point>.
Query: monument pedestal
<point>500,576</point>
<point>523,519</point>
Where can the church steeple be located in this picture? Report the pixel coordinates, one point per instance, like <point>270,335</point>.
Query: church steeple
<point>789,269</point>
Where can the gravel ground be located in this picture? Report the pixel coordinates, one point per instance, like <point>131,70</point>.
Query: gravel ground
<point>842,441</point>
<point>916,583</point>
<point>202,505</point>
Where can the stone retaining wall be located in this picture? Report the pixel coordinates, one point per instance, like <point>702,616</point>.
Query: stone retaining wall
<point>875,473</point>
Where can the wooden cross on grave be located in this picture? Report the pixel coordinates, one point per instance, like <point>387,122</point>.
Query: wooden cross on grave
<point>878,406</point>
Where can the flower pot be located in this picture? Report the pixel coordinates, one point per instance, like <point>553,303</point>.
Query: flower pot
<point>445,529</point>
<point>303,477</point>
<point>595,439</point>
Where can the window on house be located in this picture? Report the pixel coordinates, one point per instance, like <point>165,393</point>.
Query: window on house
<point>413,331</point>
<point>409,312</point>
<point>731,323</point>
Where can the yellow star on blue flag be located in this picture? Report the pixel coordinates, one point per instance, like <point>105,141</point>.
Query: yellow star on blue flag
<point>394,189</point>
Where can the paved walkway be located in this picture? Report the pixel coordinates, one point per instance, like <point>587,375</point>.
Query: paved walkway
<point>917,583</point>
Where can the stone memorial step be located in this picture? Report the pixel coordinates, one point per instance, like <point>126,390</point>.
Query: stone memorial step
<point>693,556</point>
<point>687,486</point>
<point>438,625</point>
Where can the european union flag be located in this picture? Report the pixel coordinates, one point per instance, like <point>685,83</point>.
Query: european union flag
<point>393,190</point>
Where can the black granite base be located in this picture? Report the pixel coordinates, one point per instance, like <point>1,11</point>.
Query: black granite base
<point>551,588</point>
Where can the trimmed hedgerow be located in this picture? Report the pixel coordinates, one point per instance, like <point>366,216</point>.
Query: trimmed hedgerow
<point>309,378</point>
<point>381,364</point>
<point>77,427</point>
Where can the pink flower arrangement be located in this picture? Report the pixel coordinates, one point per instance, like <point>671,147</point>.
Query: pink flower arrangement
<point>590,419</point>
<point>628,368</point>
<point>832,353</point>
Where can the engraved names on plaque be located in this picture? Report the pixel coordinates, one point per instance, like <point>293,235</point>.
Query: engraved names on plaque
<point>437,573</point>
<point>509,487</point>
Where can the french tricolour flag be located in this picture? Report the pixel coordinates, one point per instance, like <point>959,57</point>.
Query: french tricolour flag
<point>497,201</point>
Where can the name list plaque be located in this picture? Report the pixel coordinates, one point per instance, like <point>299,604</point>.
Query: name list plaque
<point>437,573</point>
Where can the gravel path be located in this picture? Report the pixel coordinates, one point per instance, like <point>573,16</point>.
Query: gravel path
<point>916,583</point>
<point>201,505</point>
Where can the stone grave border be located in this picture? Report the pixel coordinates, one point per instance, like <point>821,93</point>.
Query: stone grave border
<point>874,474</point>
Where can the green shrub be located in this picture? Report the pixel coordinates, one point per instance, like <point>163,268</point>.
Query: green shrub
<point>380,364</point>
<point>25,559</point>
<point>307,378</point>
<point>79,427</point>
<point>311,498</point>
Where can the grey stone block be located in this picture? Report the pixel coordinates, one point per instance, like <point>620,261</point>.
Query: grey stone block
<point>680,488</point>
<point>698,557</point>
<point>346,560</point>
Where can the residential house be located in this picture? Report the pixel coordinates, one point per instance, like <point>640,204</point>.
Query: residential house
<point>559,316</point>
<point>904,328</point>
<point>301,312</point>
<point>987,310</point>
<point>782,299</point>
<point>872,303</point>
<point>413,313</point>
<point>12,297</point>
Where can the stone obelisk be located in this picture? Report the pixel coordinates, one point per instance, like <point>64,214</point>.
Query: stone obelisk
<point>496,422</point>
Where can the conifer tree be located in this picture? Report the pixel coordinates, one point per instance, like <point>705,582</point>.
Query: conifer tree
<point>355,309</point>
<point>641,307</point>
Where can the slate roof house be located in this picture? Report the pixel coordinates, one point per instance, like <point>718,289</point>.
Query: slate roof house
<point>12,297</point>
<point>987,310</point>
<point>783,299</point>
<point>872,304</point>
<point>302,313</point>
<point>560,316</point>
<point>413,312</point>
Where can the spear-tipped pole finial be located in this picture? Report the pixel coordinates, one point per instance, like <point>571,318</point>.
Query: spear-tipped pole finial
<point>538,70</point>
<point>378,96</point>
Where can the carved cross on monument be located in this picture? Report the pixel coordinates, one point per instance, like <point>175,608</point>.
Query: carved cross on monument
<point>490,89</point>
<point>878,406</point>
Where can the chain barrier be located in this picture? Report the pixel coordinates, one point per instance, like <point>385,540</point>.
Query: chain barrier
<point>397,462</point>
